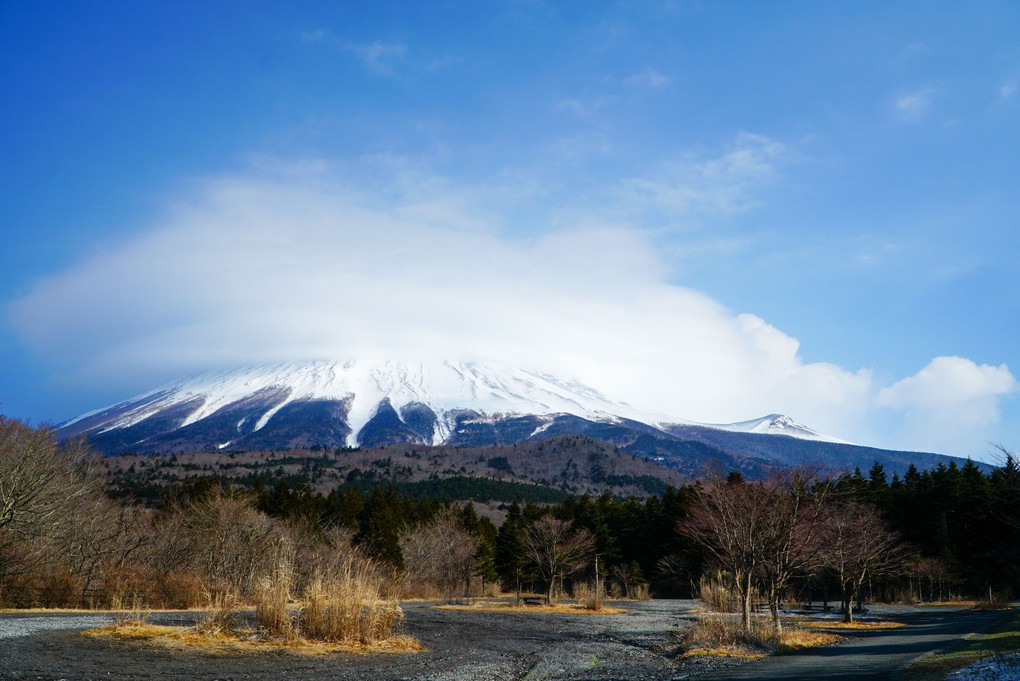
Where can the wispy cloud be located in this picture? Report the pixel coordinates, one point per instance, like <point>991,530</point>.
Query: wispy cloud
<point>914,106</point>
<point>1007,90</point>
<point>649,79</point>
<point>381,57</point>
<point>314,36</point>
<point>709,186</point>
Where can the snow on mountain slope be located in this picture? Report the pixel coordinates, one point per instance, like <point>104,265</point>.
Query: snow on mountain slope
<point>447,389</point>
<point>778,424</point>
<point>443,387</point>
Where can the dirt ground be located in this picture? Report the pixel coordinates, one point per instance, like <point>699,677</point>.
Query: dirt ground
<point>461,646</point>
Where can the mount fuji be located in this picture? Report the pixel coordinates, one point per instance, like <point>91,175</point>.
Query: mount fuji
<point>370,404</point>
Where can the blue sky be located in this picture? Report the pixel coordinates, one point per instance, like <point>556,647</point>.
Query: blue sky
<point>716,210</point>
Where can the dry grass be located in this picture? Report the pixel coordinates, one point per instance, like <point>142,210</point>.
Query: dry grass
<point>219,619</point>
<point>856,625</point>
<point>187,638</point>
<point>554,609</point>
<point>590,596</point>
<point>798,639</point>
<point>272,596</point>
<point>347,609</point>
<point>718,594</point>
<point>724,635</point>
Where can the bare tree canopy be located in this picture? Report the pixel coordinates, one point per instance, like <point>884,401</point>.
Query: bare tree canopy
<point>557,550</point>
<point>857,545</point>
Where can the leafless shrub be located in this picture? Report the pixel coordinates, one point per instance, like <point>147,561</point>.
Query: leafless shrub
<point>126,586</point>
<point>224,539</point>
<point>628,582</point>
<point>180,590</point>
<point>440,554</point>
<point>996,600</point>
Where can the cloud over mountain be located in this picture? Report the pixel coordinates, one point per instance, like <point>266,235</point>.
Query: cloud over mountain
<point>303,262</point>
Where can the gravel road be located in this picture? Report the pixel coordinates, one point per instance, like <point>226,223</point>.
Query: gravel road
<point>478,646</point>
<point>462,646</point>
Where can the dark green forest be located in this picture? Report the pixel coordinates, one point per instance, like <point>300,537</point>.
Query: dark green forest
<point>958,528</point>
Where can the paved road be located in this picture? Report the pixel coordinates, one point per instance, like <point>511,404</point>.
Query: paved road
<point>873,655</point>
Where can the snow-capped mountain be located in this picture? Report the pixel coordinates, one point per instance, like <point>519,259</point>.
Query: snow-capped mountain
<point>370,404</point>
<point>431,400</point>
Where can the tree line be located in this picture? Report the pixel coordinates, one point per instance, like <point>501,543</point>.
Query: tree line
<point>926,535</point>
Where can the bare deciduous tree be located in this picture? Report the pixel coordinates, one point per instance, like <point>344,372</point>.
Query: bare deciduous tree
<point>792,527</point>
<point>857,545</point>
<point>557,550</point>
<point>38,478</point>
<point>729,520</point>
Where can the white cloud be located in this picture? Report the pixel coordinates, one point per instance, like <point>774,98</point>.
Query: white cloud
<point>1007,90</point>
<point>300,265</point>
<point>713,186</point>
<point>649,79</point>
<point>948,382</point>
<point>949,402</point>
<point>307,260</point>
<point>913,107</point>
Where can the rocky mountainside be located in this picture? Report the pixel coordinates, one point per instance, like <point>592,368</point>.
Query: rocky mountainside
<point>364,405</point>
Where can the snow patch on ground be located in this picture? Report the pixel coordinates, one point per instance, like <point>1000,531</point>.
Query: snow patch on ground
<point>1001,668</point>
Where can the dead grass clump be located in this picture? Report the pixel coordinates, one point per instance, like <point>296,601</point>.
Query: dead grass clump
<point>717,594</point>
<point>589,595</point>
<point>272,596</point>
<point>137,616</point>
<point>862,625</point>
<point>221,616</point>
<point>796,639</point>
<point>186,638</point>
<point>723,634</point>
<point>133,631</point>
<point>639,592</point>
<point>347,609</point>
